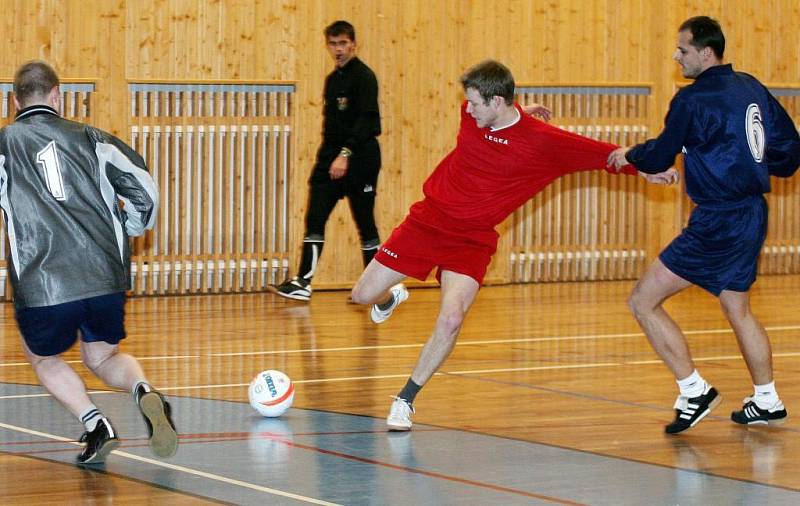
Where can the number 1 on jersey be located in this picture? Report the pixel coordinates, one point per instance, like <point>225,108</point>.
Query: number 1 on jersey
<point>48,159</point>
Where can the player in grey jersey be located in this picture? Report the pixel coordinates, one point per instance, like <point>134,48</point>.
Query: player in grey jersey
<point>71,196</point>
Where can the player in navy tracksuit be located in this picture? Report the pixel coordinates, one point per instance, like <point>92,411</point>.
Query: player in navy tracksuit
<point>733,135</point>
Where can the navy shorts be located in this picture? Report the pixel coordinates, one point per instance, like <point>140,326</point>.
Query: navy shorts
<point>52,330</point>
<point>719,248</point>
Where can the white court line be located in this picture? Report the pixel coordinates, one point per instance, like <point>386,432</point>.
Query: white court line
<point>450,373</point>
<point>537,368</point>
<point>719,357</point>
<point>174,467</point>
<point>420,345</point>
<point>30,396</point>
<point>161,357</point>
<point>482,342</point>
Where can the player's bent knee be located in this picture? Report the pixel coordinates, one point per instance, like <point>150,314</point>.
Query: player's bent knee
<point>450,322</point>
<point>38,361</point>
<point>96,360</point>
<point>632,303</point>
<point>359,296</point>
<point>637,305</point>
<point>735,312</point>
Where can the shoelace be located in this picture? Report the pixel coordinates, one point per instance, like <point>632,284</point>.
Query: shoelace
<point>409,406</point>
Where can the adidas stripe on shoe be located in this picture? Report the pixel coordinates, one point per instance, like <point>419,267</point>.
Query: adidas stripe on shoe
<point>751,414</point>
<point>294,288</point>
<point>689,411</point>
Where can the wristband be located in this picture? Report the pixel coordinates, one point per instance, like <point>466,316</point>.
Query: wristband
<point>346,153</point>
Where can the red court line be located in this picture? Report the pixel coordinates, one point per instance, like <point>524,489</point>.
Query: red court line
<point>242,436</point>
<point>431,474</point>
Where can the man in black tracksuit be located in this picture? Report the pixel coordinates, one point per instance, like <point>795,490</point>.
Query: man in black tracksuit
<point>348,161</point>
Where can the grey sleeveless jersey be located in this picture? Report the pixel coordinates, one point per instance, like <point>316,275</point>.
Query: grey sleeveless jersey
<point>71,195</point>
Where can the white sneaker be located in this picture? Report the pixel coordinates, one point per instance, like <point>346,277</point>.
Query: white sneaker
<point>399,418</point>
<point>399,295</point>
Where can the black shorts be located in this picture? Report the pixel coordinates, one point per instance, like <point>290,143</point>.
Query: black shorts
<point>52,330</point>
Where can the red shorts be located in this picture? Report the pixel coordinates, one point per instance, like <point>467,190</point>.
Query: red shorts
<point>415,248</point>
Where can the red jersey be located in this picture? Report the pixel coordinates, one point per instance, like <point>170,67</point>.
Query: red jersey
<point>492,172</point>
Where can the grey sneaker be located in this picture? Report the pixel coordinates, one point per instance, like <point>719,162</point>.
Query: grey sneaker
<point>161,431</point>
<point>295,288</point>
<point>399,419</point>
<point>399,295</point>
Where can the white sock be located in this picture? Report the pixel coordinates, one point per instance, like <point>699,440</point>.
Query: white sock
<point>765,396</point>
<point>693,385</point>
<point>90,417</point>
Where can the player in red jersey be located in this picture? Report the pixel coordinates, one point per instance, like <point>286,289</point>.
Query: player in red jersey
<point>503,157</point>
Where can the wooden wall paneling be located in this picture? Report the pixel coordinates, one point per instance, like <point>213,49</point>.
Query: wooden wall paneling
<point>418,50</point>
<point>662,213</point>
<point>746,25</point>
<point>312,64</point>
<point>108,22</point>
<point>394,186</point>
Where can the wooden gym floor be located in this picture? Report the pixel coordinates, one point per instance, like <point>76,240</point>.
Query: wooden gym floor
<point>552,396</point>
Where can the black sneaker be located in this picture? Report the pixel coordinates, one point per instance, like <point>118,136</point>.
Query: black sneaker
<point>689,411</point>
<point>751,414</point>
<point>160,428</point>
<point>99,443</point>
<point>295,288</point>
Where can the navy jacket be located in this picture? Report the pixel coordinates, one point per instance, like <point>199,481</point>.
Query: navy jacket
<point>733,135</point>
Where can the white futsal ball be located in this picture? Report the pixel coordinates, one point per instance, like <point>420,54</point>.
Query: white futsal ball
<point>271,393</point>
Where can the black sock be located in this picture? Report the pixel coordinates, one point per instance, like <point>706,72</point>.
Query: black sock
<point>368,255</point>
<point>368,250</point>
<point>388,304</point>
<point>409,391</point>
<point>312,249</point>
